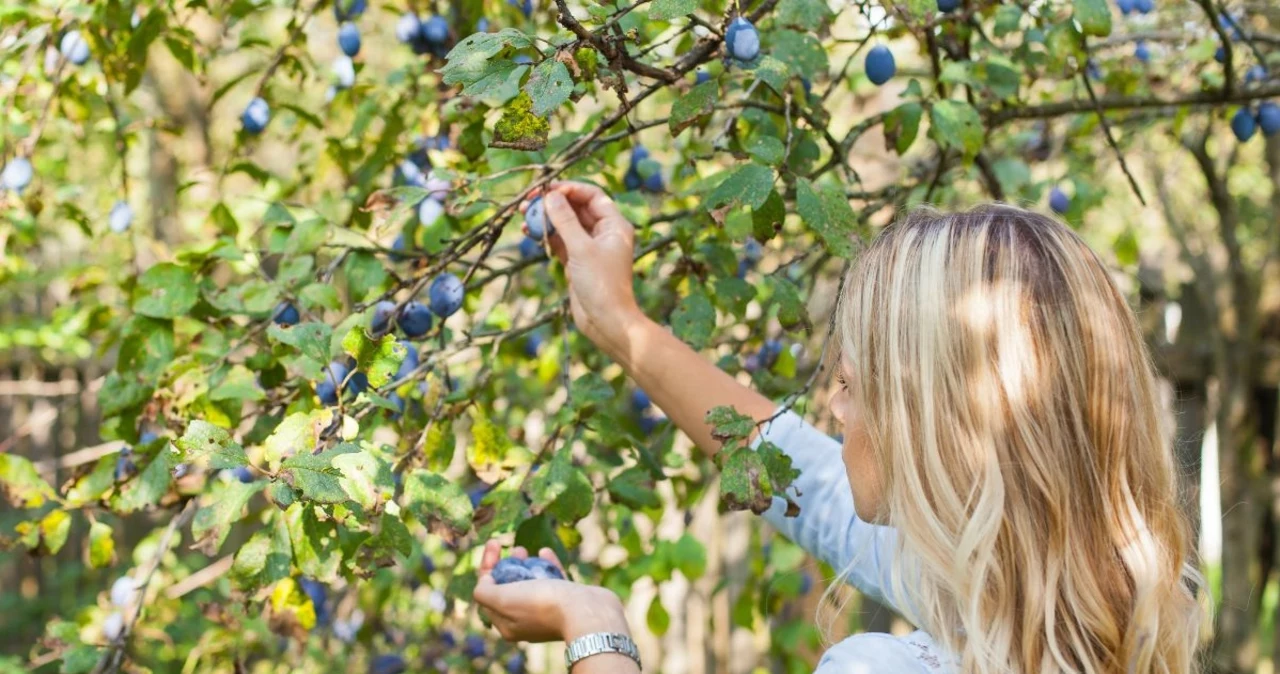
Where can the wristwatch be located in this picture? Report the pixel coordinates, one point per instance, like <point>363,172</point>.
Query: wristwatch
<point>597,643</point>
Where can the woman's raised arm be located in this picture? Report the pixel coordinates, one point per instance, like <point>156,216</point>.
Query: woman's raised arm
<point>596,244</point>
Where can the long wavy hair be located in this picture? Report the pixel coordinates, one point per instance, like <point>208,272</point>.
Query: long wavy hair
<point>1011,403</point>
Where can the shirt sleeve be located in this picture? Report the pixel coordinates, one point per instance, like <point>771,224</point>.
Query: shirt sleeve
<point>828,526</point>
<point>871,653</point>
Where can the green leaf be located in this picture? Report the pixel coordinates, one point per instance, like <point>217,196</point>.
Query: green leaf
<point>392,537</point>
<point>666,10</point>
<point>767,149</point>
<point>102,545</point>
<point>802,53</point>
<point>21,482</point>
<point>657,617</point>
<point>165,291</point>
<point>489,444</point>
<point>121,393</point>
<point>433,498</point>
<point>91,486</point>
<point>239,384</point>
<point>634,487</point>
<point>786,297</point>
<point>147,488</point>
<point>694,319</point>
<point>749,185</point>
<point>297,434</point>
<point>203,439</point>
<point>1094,17</point>
<point>505,509</point>
<point>54,528</point>
<point>690,557</point>
<point>266,558</point>
<point>589,390</point>
<point>315,475</point>
<point>561,483</point>
<point>744,481</point>
<point>902,125</point>
<point>773,72</point>
<point>734,295</point>
<point>311,339</point>
<point>440,445</point>
<point>807,14</point>
<point>957,125</point>
<point>468,60</point>
<point>826,211</point>
<point>225,504</point>
<point>499,83</point>
<point>549,86</point>
<point>364,478</point>
<point>689,108</point>
<point>365,275</point>
<point>728,424</point>
<point>1007,19</point>
<point>377,358</point>
<point>314,542</point>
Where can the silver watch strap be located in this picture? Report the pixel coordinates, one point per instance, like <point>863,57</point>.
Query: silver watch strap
<point>597,643</point>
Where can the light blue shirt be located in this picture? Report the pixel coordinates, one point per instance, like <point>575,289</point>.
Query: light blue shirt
<point>830,529</point>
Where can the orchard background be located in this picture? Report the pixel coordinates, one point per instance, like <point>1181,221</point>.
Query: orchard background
<point>182,263</point>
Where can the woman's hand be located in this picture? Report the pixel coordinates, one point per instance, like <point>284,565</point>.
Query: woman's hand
<point>545,610</point>
<point>596,244</point>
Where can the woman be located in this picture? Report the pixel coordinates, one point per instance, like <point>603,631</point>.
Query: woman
<point>1000,417</point>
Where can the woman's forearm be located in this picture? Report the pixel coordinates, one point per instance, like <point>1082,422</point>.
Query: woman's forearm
<point>599,614</point>
<point>683,383</point>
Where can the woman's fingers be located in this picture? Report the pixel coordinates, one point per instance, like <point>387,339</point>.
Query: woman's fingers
<point>519,552</point>
<point>492,553</point>
<point>594,203</point>
<point>565,219</point>
<point>549,555</point>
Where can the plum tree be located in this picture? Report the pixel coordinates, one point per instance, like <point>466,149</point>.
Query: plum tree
<point>276,320</point>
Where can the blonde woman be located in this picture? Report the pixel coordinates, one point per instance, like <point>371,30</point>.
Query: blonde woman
<point>1004,480</point>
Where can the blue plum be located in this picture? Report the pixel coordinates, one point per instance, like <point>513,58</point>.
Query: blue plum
<point>345,10</point>
<point>1141,52</point>
<point>327,388</point>
<point>74,48</point>
<point>510,570</point>
<point>120,217</point>
<point>388,663</point>
<point>1243,124</point>
<point>436,30</point>
<point>948,5</point>
<point>541,569</point>
<point>473,646</point>
<point>632,180</point>
<point>880,65</point>
<point>530,248</point>
<point>533,344</point>
<point>1059,202</point>
<point>1220,55</point>
<point>742,40</point>
<point>1126,6</point>
<point>410,362</point>
<point>654,183</point>
<point>429,211</point>
<point>1144,6</point>
<point>344,72</point>
<point>256,115</point>
<point>382,313</point>
<point>536,220</point>
<point>408,28</point>
<point>1255,74</point>
<point>640,400</point>
<point>318,594</point>
<point>414,320</point>
<point>1269,118</point>
<point>17,174</point>
<point>244,474</point>
<point>125,468</point>
<point>445,295</point>
<point>286,314</point>
<point>349,38</point>
<point>701,75</point>
<point>357,383</point>
<point>516,664</point>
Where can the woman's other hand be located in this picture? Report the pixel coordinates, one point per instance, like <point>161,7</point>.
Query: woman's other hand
<point>544,610</point>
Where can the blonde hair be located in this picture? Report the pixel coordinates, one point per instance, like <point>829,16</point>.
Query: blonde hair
<point>1011,404</point>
